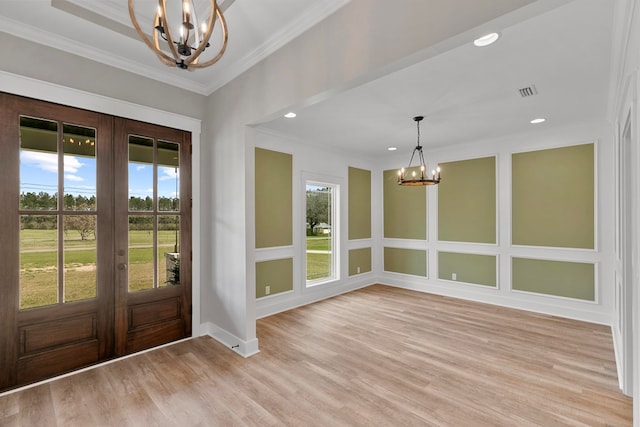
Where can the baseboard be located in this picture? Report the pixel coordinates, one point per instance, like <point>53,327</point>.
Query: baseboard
<point>274,305</point>
<point>586,312</point>
<point>618,353</point>
<point>242,347</point>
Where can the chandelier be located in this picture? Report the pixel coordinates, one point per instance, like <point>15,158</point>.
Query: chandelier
<point>182,34</point>
<point>415,179</point>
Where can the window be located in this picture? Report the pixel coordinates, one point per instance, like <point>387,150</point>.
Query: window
<point>321,235</point>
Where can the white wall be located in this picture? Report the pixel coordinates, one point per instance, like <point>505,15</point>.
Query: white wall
<point>357,43</point>
<point>29,59</point>
<point>625,90</point>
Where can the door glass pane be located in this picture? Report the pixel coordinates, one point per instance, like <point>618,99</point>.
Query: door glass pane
<point>80,257</point>
<point>38,260</point>
<point>38,164</point>
<point>168,176</point>
<point>168,250</point>
<point>79,168</point>
<point>140,173</point>
<point>141,259</point>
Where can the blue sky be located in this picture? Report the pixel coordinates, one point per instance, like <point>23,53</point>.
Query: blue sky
<point>39,172</point>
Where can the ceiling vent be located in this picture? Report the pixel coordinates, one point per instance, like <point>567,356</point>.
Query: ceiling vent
<point>528,91</point>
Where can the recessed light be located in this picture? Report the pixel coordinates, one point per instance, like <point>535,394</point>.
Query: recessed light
<point>290,115</point>
<point>392,148</point>
<point>538,120</point>
<point>486,40</point>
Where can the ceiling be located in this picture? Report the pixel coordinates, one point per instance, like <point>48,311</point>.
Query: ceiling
<point>468,93</point>
<point>465,93</point>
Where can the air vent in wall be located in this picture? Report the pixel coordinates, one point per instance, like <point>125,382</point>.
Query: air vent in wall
<point>528,91</point>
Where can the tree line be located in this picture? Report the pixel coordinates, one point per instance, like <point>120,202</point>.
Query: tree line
<point>86,225</point>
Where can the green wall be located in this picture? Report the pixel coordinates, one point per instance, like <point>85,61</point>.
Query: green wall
<point>469,268</point>
<point>467,201</point>
<point>273,198</point>
<point>405,209</point>
<point>278,274</point>
<point>359,204</point>
<point>359,258</point>
<point>560,278</point>
<point>553,197</point>
<point>406,261</point>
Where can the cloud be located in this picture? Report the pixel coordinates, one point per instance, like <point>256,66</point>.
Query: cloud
<point>168,173</point>
<point>48,162</point>
<point>72,164</point>
<point>141,167</point>
<point>73,178</point>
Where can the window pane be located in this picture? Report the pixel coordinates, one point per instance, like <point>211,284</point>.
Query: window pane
<point>168,176</point>
<point>140,173</point>
<point>319,232</point>
<point>79,168</point>
<point>38,164</point>
<point>38,260</point>
<point>141,259</point>
<point>80,257</point>
<point>168,250</point>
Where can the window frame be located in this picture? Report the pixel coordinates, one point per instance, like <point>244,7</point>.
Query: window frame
<point>334,184</point>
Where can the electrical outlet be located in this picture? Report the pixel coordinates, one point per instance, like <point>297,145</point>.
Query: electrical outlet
<point>267,290</point>
<point>454,276</point>
<point>357,270</point>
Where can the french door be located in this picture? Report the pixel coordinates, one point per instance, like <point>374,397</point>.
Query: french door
<point>95,225</point>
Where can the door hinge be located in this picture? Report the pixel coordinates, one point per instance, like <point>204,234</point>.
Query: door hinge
<point>190,308</point>
<point>191,255</point>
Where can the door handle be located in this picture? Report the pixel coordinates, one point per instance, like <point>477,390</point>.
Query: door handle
<point>122,266</point>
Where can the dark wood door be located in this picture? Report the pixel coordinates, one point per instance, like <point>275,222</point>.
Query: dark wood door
<point>64,222</point>
<point>153,243</point>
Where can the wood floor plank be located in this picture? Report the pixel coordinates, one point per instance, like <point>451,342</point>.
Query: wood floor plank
<point>380,356</point>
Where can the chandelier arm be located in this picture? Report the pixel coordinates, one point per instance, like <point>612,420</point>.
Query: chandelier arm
<point>170,42</point>
<point>193,58</point>
<point>163,57</point>
<point>412,154</point>
<point>422,162</point>
<point>225,39</point>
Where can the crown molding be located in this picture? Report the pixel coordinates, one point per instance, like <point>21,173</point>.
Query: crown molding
<point>311,17</point>
<point>77,48</point>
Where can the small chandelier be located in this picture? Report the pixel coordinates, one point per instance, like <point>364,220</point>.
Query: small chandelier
<point>414,179</point>
<point>192,35</point>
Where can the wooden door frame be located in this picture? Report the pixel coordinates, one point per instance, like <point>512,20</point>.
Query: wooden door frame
<point>25,86</point>
<point>11,105</point>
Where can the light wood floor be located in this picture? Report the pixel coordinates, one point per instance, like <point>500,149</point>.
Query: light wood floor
<point>377,356</point>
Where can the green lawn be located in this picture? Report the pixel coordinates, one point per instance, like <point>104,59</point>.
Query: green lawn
<point>39,273</point>
<point>320,243</point>
<point>318,264</point>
